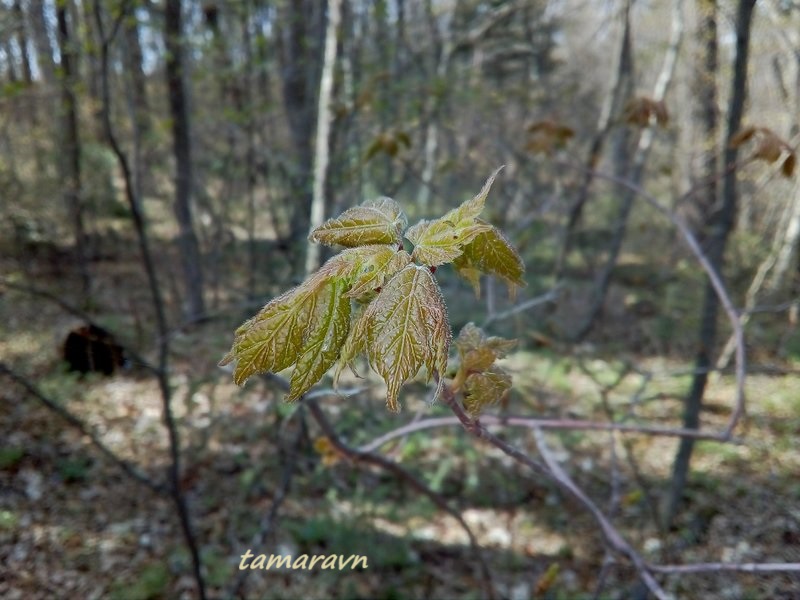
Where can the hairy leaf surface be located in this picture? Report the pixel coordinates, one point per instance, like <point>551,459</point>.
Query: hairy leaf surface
<point>471,209</point>
<point>484,389</point>
<point>329,325</point>
<point>380,221</point>
<point>405,328</point>
<point>442,240</point>
<point>477,351</point>
<point>490,252</point>
<point>275,338</point>
<point>271,340</point>
<point>482,381</point>
<point>374,270</point>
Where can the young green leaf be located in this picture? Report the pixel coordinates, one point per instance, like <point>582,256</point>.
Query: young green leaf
<point>442,240</point>
<point>274,339</point>
<point>490,252</point>
<point>404,328</point>
<point>271,340</point>
<point>484,389</point>
<point>471,209</point>
<point>380,221</point>
<point>482,381</point>
<point>376,269</point>
<point>329,325</point>
<point>477,352</point>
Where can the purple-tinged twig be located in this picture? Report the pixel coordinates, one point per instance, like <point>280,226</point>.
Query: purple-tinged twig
<point>390,466</point>
<point>727,567</point>
<point>532,423</point>
<point>74,421</point>
<point>553,471</point>
<point>716,283</point>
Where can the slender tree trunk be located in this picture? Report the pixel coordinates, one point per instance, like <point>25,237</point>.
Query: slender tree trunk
<point>324,116</point>
<point>137,97</point>
<point>71,156</point>
<point>300,78</point>
<point>179,110</point>
<point>162,331</point>
<point>721,224</point>
<point>92,69</point>
<point>41,42</point>
<point>22,41</point>
<point>11,71</point>
<point>637,174</point>
<point>612,106</point>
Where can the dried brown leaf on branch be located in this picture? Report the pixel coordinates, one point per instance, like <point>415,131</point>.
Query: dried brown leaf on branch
<point>768,146</point>
<point>547,136</point>
<point>640,111</point>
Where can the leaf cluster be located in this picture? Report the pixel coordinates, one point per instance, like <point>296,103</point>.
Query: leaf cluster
<point>377,299</point>
<point>768,146</point>
<point>547,136</point>
<point>641,110</point>
<point>482,382</point>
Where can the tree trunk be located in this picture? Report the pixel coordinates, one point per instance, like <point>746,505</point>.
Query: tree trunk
<point>22,41</point>
<point>721,223</point>
<point>137,97</point>
<point>71,155</point>
<point>300,78</point>
<point>41,41</point>
<point>612,106</point>
<point>179,110</point>
<point>637,174</point>
<point>322,150</point>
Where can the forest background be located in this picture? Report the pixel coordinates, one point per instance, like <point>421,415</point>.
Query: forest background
<point>161,166</point>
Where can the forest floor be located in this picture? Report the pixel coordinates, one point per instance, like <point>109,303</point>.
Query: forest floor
<point>73,525</point>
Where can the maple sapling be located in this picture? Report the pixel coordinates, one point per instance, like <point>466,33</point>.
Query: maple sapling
<point>376,298</point>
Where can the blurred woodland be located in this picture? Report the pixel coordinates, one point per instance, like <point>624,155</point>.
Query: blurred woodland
<point>161,165</point>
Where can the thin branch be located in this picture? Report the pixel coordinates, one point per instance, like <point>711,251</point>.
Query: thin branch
<point>532,423</point>
<point>140,224</point>
<point>129,469</point>
<point>358,455</point>
<point>554,472</point>
<point>723,567</point>
<point>716,282</point>
<point>550,296</point>
<point>612,535</point>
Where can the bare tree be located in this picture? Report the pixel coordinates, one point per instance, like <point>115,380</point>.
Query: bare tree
<point>639,163</point>
<point>299,61</point>
<point>41,41</point>
<point>324,116</point>
<point>71,160</point>
<point>161,370</point>
<point>721,222</point>
<point>22,42</point>
<point>181,144</point>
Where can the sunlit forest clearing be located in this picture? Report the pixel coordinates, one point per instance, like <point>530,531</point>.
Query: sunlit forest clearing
<point>162,165</point>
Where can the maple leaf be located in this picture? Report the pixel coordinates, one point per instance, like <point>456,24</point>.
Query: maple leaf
<point>482,382</point>
<point>477,351</point>
<point>404,328</point>
<point>380,221</point>
<point>442,240</point>
<point>272,339</point>
<point>374,270</point>
<point>770,147</point>
<point>279,334</point>
<point>484,389</point>
<point>330,323</point>
<point>490,252</point>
